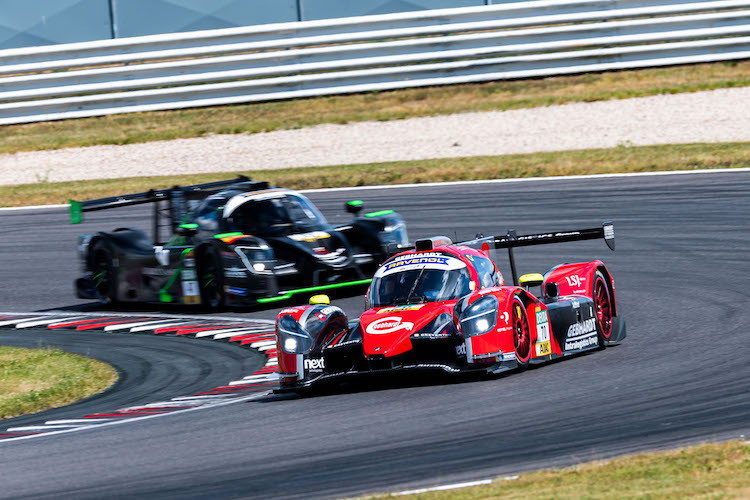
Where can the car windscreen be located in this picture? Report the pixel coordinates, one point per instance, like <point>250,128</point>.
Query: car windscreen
<point>408,281</point>
<point>277,216</point>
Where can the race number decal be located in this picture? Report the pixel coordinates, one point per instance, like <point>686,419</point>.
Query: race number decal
<point>191,293</point>
<point>543,347</point>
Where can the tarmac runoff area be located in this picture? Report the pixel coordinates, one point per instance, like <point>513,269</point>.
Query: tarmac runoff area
<point>713,116</point>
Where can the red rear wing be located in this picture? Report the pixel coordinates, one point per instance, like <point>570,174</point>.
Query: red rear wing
<point>511,240</point>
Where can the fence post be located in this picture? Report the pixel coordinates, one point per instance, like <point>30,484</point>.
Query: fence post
<point>113,18</point>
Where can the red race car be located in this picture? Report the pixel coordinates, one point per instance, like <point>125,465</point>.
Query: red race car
<point>446,307</point>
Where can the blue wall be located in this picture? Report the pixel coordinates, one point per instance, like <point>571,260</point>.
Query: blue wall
<point>26,23</point>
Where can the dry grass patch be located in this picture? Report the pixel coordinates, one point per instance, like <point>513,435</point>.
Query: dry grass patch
<point>707,471</point>
<point>32,380</point>
<point>592,161</point>
<point>392,105</point>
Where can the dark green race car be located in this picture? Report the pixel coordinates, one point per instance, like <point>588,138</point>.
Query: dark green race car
<point>236,242</point>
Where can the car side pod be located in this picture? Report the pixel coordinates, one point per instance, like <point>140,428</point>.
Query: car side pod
<point>301,334</point>
<point>487,319</point>
<point>594,281</point>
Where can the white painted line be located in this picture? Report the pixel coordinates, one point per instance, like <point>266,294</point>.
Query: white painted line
<point>256,345</point>
<point>77,421</point>
<point>259,378</point>
<point>200,398</point>
<point>38,427</point>
<point>533,179</point>
<point>164,324</point>
<point>162,404</point>
<point>267,347</point>
<point>125,326</point>
<point>261,375</point>
<point>47,321</point>
<point>20,320</point>
<point>135,419</point>
<point>31,207</point>
<point>464,183</point>
<point>209,333</point>
<point>445,487</point>
<point>251,323</point>
<point>249,332</point>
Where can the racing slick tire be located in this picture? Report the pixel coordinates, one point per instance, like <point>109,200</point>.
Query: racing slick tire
<point>103,271</point>
<point>211,279</point>
<point>521,333</point>
<point>602,308</point>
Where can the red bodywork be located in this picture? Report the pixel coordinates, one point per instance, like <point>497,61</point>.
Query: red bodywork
<point>522,332</point>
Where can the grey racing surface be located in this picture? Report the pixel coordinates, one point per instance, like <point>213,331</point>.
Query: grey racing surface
<point>149,370</point>
<point>680,377</point>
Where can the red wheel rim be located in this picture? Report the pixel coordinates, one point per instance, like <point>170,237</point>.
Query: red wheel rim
<point>521,335</point>
<point>603,307</point>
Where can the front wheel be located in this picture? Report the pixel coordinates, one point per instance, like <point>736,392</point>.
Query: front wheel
<point>521,334</point>
<point>211,279</point>
<point>602,308</point>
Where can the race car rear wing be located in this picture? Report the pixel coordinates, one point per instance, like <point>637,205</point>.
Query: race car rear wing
<point>511,240</point>
<point>175,198</point>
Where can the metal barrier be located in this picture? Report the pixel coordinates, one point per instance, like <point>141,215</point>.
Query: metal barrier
<point>358,54</point>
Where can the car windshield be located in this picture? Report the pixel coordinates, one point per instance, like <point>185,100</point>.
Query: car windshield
<point>419,285</point>
<point>277,216</point>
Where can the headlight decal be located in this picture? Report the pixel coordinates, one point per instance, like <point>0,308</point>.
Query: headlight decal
<point>293,339</point>
<point>480,317</point>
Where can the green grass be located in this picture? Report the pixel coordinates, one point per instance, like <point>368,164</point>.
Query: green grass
<point>593,161</point>
<point>392,105</point>
<point>708,471</point>
<point>32,380</point>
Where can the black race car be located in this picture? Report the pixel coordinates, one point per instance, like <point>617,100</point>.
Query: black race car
<point>236,242</point>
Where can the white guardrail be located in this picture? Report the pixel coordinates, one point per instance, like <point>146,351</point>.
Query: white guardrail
<point>356,54</point>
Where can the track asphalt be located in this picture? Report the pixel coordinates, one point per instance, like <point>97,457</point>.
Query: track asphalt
<point>681,376</point>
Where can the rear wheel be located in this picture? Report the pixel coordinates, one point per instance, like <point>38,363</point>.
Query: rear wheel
<point>211,279</point>
<point>602,308</point>
<point>521,333</point>
<point>103,272</point>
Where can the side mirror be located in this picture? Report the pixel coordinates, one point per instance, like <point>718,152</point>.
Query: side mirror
<point>187,229</point>
<point>529,280</point>
<point>354,207</point>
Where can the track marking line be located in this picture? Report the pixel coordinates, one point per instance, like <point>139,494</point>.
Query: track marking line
<point>465,183</point>
<point>135,419</point>
<point>155,324</point>
<point>553,178</point>
<point>453,486</point>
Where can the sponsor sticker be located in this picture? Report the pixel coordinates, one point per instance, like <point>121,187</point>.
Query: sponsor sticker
<point>387,325</point>
<point>581,335</point>
<point>235,272</point>
<point>429,260</point>
<point>580,344</point>
<point>461,350</point>
<point>414,307</point>
<point>315,364</point>
<point>310,237</point>
<point>543,347</point>
<point>584,328</point>
<point>190,289</point>
<point>233,290</point>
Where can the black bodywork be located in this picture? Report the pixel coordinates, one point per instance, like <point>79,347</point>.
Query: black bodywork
<point>236,242</point>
